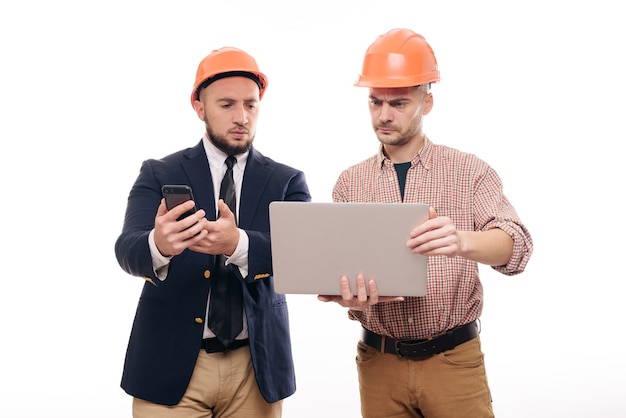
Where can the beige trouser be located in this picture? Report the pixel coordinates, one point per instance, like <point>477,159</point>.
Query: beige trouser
<point>222,386</point>
<point>452,384</point>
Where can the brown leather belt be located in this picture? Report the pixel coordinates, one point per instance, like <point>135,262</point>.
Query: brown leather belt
<point>212,345</point>
<point>418,349</point>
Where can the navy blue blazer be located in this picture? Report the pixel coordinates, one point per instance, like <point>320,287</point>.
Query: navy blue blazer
<point>167,330</point>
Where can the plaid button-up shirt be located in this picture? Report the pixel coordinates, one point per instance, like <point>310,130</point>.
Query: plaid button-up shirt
<point>458,185</point>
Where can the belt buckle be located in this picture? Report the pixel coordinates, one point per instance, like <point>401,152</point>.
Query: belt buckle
<point>413,348</point>
<point>396,346</point>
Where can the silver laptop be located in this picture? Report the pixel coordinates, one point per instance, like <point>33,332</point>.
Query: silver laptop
<point>314,244</point>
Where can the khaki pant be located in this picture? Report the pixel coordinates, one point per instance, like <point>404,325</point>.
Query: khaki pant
<point>452,384</point>
<point>222,386</point>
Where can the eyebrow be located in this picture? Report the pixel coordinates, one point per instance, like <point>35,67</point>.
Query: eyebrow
<point>230,99</point>
<point>397,100</point>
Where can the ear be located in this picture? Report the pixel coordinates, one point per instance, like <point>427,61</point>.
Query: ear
<point>428,103</point>
<point>198,106</point>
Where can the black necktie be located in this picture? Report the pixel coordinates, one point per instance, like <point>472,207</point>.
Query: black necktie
<point>226,306</point>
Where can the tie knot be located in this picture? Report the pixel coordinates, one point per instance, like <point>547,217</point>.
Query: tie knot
<point>230,161</point>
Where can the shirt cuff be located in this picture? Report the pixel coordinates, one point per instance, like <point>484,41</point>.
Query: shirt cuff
<point>239,257</point>
<point>160,263</point>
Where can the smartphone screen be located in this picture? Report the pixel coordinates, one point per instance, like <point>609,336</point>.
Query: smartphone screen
<point>175,194</point>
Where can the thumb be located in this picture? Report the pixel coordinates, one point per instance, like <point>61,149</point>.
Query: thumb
<point>162,210</point>
<point>224,210</point>
<point>432,213</point>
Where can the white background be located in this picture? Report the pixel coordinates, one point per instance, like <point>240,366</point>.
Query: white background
<point>90,89</point>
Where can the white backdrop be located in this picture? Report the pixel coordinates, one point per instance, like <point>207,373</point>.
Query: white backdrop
<point>91,89</point>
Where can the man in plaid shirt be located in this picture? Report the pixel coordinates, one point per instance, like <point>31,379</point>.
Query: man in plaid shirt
<point>421,356</point>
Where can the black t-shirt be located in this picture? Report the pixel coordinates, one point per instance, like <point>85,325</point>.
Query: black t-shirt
<point>401,170</point>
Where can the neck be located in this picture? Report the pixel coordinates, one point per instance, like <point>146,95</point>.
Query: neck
<point>404,152</point>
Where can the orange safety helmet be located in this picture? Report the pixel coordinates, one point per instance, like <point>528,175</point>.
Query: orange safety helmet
<point>399,58</point>
<point>225,60</point>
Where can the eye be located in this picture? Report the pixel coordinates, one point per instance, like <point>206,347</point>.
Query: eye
<point>398,105</point>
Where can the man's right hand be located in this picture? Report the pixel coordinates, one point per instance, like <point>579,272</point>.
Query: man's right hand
<point>172,237</point>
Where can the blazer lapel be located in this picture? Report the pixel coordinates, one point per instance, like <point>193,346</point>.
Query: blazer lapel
<point>255,179</point>
<point>196,166</point>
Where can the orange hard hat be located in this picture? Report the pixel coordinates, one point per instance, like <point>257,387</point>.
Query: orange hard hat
<point>399,58</point>
<point>228,60</point>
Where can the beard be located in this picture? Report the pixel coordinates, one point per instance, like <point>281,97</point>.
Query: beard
<point>223,145</point>
<point>401,137</point>
<point>400,140</point>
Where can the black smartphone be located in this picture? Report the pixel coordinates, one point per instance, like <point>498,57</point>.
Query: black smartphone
<point>175,194</point>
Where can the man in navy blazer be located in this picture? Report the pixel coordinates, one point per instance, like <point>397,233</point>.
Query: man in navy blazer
<point>174,366</point>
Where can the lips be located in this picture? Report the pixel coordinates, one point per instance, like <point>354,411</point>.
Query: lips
<point>239,134</point>
<point>385,130</point>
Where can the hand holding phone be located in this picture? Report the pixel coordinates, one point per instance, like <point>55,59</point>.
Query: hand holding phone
<point>175,194</point>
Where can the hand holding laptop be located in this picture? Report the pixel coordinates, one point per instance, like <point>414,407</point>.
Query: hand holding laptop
<point>359,300</point>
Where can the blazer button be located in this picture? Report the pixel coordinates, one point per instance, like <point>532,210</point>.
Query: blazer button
<point>199,320</point>
<point>207,274</point>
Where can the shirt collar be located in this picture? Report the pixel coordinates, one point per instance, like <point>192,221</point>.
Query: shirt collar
<point>423,155</point>
<point>217,157</point>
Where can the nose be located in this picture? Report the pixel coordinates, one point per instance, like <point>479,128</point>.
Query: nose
<point>385,113</point>
<point>240,116</point>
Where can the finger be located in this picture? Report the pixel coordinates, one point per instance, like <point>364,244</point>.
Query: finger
<point>360,288</point>
<point>373,292</point>
<point>193,221</point>
<point>224,210</point>
<point>195,231</point>
<point>420,229</point>
<point>390,298</point>
<point>432,213</point>
<point>178,211</point>
<point>346,293</point>
<point>162,210</point>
